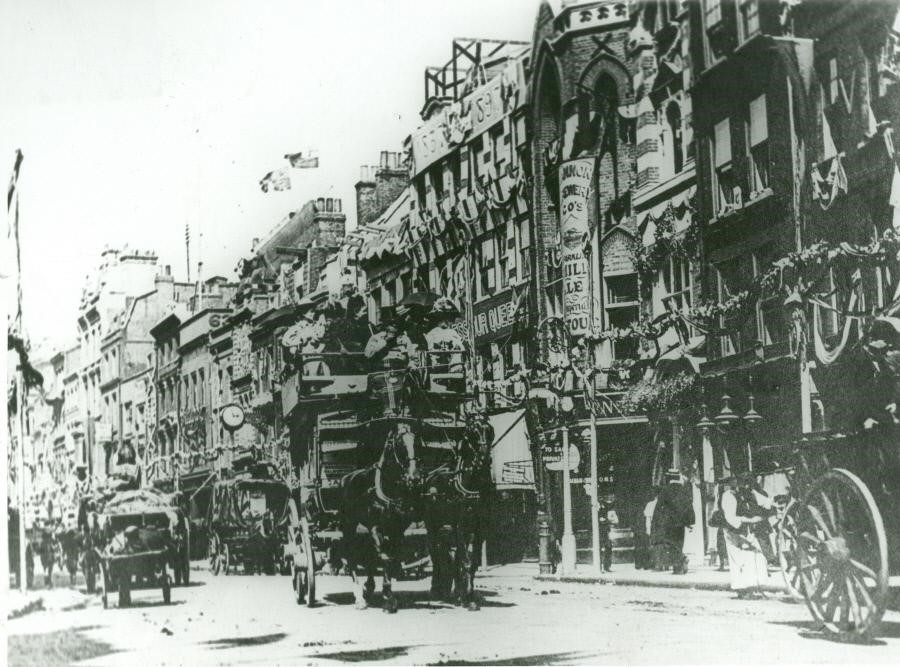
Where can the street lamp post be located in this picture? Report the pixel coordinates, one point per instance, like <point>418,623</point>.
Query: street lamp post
<point>567,563</point>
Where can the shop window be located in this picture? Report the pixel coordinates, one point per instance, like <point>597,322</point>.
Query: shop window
<point>758,145</point>
<point>749,19</point>
<point>724,182</point>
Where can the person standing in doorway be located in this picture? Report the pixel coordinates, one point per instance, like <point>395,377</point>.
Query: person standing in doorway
<point>674,513</point>
<point>607,519</point>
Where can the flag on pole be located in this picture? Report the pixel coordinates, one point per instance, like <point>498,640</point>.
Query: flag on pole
<point>14,258</point>
<point>278,180</point>
<point>297,161</point>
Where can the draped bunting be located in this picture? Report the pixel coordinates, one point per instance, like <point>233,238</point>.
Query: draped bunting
<point>827,188</point>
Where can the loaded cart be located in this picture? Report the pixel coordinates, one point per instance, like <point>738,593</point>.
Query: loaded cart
<point>138,537</point>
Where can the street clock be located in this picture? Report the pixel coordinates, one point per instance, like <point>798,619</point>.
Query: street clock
<point>232,417</point>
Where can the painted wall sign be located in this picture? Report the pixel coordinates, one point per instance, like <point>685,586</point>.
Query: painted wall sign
<point>575,178</point>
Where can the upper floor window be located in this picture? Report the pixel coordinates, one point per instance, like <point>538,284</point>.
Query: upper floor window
<point>675,284</point>
<point>524,268</point>
<point>486,267</point>
<point>713,12</point>
<point>622,311</point>
<point>723,170</point>
<point>758,145</point>
<point>749,19</point>
<point>673,123</point>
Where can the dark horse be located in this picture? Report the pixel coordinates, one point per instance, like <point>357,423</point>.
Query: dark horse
<point>456,513</point>
<point>377,505</point>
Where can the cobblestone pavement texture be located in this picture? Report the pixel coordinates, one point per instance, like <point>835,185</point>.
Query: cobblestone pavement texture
<point>253,620</point>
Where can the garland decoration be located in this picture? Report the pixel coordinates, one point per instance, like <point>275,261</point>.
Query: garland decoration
<point>666,243</point>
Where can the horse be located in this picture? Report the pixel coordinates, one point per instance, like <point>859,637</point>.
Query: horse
<point>455,513</point>
<point>382,499</point>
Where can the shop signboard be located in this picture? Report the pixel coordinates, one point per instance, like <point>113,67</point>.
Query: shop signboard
<point>494,317</point>
<point>575,177</point>
<point>553,459</point>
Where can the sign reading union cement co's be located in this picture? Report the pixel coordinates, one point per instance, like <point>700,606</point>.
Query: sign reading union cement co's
<point>575,178</point>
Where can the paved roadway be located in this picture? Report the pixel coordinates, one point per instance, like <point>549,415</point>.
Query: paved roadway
<point>253,620</point>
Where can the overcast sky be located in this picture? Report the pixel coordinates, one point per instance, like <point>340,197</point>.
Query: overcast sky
<point>138,117</point>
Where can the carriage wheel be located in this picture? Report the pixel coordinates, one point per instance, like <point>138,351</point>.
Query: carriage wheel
<point>166,588</point>
<point>225,559</point>
<point>843,556</point>
<point>788,549</point>
<point>306,541</point>
<point>212,550</point>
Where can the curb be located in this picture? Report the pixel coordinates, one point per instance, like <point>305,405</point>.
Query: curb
<point>674,583</point>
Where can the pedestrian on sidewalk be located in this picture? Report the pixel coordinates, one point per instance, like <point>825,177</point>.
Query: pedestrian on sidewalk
<point>741,510</point>
<point>673,514</point>
<point>643,556</point>
<point>607,520</point>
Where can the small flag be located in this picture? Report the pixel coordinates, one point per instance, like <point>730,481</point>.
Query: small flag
<point>299,162</point>
<point>278,180</point>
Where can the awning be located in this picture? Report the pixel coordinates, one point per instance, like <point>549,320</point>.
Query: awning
<point>511,464</point>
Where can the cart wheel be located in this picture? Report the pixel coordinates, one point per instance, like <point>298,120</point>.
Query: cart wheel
<point>843,554</point>
<point>226,559</point>
<point>306,542</point>
<point>166,588</point>
<point>215,562</point>
<point>788,549</point>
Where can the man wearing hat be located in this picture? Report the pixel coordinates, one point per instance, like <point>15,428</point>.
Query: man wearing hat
<point>674,512</point>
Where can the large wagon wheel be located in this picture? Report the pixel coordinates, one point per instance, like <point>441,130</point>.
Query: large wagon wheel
<point>843,554</point>
<point>789,556</point>
<point>215,562</point>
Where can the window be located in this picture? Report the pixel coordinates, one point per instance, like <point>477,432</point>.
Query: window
<point>622,311</point>
<point>436,180</point>
<point>734,277</point>
<point>675,283</point>
<point>621,289</point>
<point>499,146</point>
<point>723,171</point>
<point>749,19</point>
<point>673,120</point>
<point>713,12</point>
<point>758,145</point>
<point>772,323</point>
<point>834,81</point>
<point>524,269</point>
<point>486,267</point>
<point>503,258</point>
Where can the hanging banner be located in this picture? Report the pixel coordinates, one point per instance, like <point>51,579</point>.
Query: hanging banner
<point>575,177</point>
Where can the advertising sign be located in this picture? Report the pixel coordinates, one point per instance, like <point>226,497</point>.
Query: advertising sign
<point>575,177</point>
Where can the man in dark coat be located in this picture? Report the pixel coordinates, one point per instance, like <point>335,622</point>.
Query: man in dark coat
<point>674,512</point>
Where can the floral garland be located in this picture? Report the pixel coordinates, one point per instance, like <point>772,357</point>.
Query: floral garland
<point>649,259</point>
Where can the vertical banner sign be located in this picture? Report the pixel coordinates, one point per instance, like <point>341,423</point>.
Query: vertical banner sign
<point>575,177</point>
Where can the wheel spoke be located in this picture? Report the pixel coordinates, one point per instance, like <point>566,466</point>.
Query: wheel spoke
<point>864,592</point>
<point>810,538</point>
<point>854,603</point>
<point>820,522</point>
<point>844,620</point>
<point>832,604</point>
<point>831,524</point>
<point>864,569</point>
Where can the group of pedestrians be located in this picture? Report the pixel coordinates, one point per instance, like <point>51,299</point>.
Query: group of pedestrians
<point>659,539</point>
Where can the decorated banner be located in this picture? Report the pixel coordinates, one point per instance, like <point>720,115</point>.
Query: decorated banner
<point>575,177</point>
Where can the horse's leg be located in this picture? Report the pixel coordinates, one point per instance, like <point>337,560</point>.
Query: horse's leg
<point>474,558</point>
<point>390,560</point>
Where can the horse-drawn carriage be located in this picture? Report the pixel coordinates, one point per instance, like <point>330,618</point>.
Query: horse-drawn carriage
<point>135,537</point>
<point>385,450</point>
<point>243,521</point>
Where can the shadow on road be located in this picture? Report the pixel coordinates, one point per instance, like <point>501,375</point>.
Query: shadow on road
<point>541,659</point>
<point>416,600</point>
<point>236,642</point>
<point>366,655</point>
<point>60,647</point>
<point>814,630</point>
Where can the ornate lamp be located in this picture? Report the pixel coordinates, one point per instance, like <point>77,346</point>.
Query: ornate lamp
<point>705,424</point>
<point>752,417</point>
<point>726,416</point>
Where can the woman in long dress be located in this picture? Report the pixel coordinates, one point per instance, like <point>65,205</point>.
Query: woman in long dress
<point>742,509</point>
